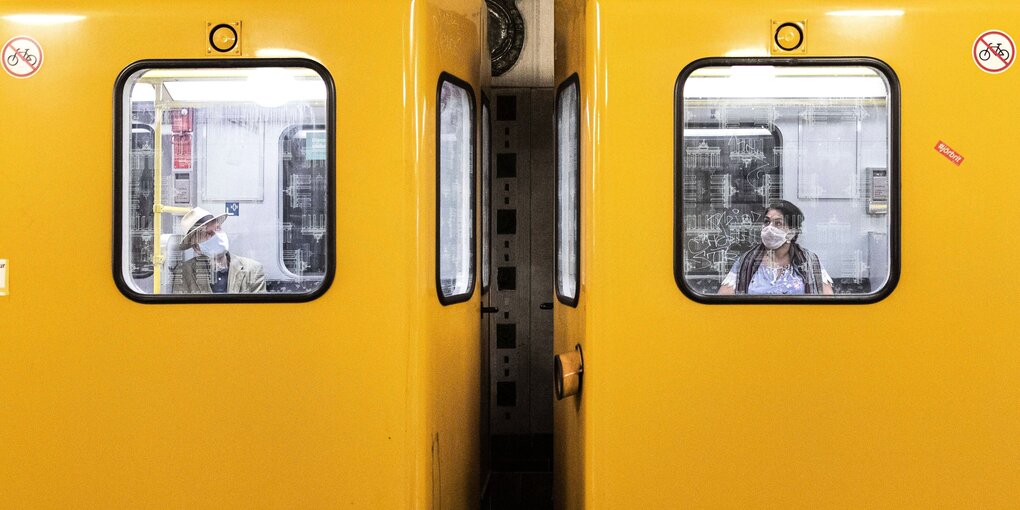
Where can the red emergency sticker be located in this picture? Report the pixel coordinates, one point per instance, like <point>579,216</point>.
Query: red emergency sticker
<point>949,153</point>
<point>182,151</point>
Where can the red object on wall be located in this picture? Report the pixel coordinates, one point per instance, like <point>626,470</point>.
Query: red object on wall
<point>949,153</point>
<point>182,151</point>
<point>180,120</point>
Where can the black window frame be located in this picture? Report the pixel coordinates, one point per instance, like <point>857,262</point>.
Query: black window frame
<point>444,78</point>
<point>895,169</point>
<point>118,169</point>
<point>571,81</point>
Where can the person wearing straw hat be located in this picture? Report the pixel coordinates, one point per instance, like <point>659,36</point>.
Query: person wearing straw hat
<point>214,269</point>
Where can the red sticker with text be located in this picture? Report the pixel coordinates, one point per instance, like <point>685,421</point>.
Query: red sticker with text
<point>994,51</point>
<point>949,153</point>
<point>22,56</point>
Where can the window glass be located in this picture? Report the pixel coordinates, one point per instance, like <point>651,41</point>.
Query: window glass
<point>224,181</point>
<point>486,192</point>
<point>787,180</point>
<point>303,202</point>
<point>140,175</point>
<point>455,194</point>
<point>567,191</point>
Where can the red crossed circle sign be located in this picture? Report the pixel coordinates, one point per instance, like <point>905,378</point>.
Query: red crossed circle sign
<point>22,56</point>
<point>994,51</point>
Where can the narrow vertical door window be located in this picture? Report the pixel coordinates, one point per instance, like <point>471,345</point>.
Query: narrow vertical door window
<point>455,154</point>
<point>567,191</point>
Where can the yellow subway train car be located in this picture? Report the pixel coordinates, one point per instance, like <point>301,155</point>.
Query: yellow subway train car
<point>319,256</point>
<point>783,250</point>
<point>237,260</point>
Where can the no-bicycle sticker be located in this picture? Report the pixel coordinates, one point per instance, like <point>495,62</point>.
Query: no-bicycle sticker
<point>22,56</point>
<point>994,51</point>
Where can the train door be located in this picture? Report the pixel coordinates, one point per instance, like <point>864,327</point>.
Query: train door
<point>237,263</point>
<point>772,309</point>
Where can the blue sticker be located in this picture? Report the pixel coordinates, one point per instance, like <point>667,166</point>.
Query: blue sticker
<point>233,208</point>
<point>315,146</point>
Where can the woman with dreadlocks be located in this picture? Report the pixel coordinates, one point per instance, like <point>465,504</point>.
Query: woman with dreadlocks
<point>778,265</point>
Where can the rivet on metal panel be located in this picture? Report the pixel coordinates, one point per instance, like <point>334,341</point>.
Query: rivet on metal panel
<point>789,36</point>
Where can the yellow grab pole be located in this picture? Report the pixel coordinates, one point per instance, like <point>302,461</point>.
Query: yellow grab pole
<point>158,209</point>
<point>157,198</point>
<point>168,209</point>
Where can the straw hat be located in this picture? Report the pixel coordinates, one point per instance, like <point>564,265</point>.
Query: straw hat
<point>195,220</point>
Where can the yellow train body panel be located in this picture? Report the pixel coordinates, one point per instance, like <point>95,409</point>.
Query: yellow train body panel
<point>571,431</point>
<point>910,402</point>
<point>365,397</point>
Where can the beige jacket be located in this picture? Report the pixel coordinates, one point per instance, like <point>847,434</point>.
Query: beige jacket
<point>194,276</point>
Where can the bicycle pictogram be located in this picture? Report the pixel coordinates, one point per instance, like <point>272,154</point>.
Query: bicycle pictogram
<point>14,58</point>
<point>986,53</point>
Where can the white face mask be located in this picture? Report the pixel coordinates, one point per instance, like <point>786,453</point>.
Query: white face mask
<point>215,245</point>
<point>773,237</point>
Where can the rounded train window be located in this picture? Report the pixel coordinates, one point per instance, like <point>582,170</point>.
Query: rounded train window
<point>486,193</point>
<point>225,176</point>
<point>787,180</point>
<point>455,190</point>
<point>568,191</point>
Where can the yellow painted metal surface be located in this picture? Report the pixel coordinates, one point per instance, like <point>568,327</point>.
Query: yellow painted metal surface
<point>912,402</point>
<point>327,404</point>
<point>448,359</point>
<point>571,425</point>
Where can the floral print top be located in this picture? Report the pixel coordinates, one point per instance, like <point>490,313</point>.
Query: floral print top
<point>772,280</point>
